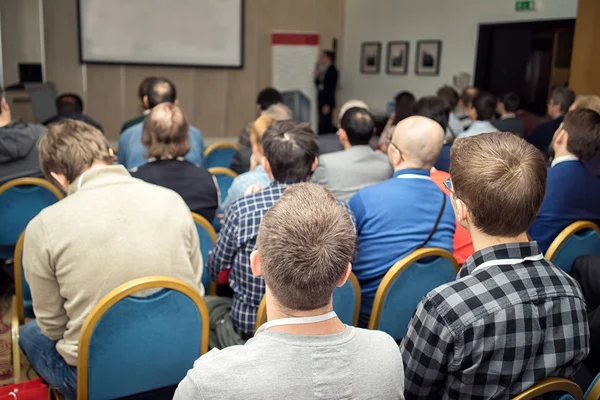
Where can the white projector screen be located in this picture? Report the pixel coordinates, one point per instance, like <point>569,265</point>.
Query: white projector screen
<point>207,33</point>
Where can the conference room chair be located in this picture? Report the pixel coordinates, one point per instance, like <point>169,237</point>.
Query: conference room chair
<point>219,154</point>
<point>132,345</point>
<point>346,303</point>
<point>21,200</point>
<point>405,284</point>
<point>593,392</point>
<point>578,239</point>
<point>224,177</point>
<point>563,389</point>
<point>208,238</point>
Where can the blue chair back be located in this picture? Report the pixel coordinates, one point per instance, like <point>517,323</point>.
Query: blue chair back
<point>20,201</point>
<point>131,345</point>
<point>593,392</point>
<point>224,179</point>
<point>346,301</point>
<point>405,284</point>
<point>208,237</point>
<point>219,155</point>
<point>578,239</point>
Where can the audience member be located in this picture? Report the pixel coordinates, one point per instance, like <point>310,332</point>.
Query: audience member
<point>304,248</point>
<point>330,142</point>
<point>436,109</point>
<point>403,108</point>
<point>256,179</point>
<point>591,103</point>
<point>110,230</point>
<point>70,105</point>
<point>586,272</point>
<point>326,80</point>
<point>481,111</point>
<point>507,106</point>
<point>530,119</point>
<point>511,318</point>
<point>18,146</point>
<point>465,102</point>
<point>291,151</point>
<point>404,213</point>
<point>132,151</point>
<point>558,104</point>
<point>451,97</point>
<point>143,96</point>
<point>572,191</point>
<point>266,98</point>
<point>165,135</point>
<point>358,165</point>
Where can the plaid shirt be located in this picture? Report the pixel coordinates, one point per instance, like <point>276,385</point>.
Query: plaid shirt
<point>496,331</point>
<point>237,240</point>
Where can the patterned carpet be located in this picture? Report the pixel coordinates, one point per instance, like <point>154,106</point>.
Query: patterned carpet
<point>6,370</point>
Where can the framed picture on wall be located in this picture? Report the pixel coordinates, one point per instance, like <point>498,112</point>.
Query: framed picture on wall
<point>370,57</point>
<point>397,58</point>
<point>429,54</point>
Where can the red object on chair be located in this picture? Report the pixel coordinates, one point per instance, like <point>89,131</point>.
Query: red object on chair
<point>30,390</point>
<point>222,278</point>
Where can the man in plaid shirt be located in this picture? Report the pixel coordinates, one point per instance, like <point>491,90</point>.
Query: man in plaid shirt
<point>511,318</point>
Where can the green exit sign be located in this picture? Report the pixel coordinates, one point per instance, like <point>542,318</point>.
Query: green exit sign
<point>528,5</point>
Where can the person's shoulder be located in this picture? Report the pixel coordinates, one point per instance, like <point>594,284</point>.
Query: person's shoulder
<point>378,338</point>
<point>132,130</point>
<point>195,131</point>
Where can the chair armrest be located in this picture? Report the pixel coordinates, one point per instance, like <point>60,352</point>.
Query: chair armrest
<point>16,352</point>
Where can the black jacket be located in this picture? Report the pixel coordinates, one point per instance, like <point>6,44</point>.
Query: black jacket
<point>329,86</point>
<point>76,116</point>
<point>18,151</point>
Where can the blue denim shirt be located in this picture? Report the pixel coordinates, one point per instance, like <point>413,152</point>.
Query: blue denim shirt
<point>132,153</point>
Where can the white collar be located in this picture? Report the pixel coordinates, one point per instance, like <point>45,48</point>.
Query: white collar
<point>508,115</point>
<point>562,159</point>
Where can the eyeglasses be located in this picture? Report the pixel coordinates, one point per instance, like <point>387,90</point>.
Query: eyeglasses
<point>448,184</point>
<point>399,151</point>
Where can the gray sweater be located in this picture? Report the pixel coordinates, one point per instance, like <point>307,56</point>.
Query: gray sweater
<point>18,151</point>
<point>353,364</point>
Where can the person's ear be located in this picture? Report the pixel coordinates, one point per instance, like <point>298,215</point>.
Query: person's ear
<point>266,166</point>
<point>342,136</point>
<point>176,102</point>
<point>255,264</point>
<point>346,275</point>
<point>461,212</point>
<point>61,179</point>
<point>146,102</point>
<point>315,164</point>
<point>4,105</point>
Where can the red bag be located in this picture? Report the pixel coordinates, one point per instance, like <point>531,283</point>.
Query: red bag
<point>30,390</point>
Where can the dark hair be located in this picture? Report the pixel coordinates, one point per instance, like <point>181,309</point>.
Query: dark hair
<point>403,108</point>
<point>485,105</point>
<point>433,108</point>
<point>511,101</point>
<point>69,103</point>
<point>564,97</point>
<point>358,125</point>
<point>450,95</point>
<point>165,132</point>
<point>499,174</point>
<point>144,86</point>
<point>583,127</point>
<point>161,90</point>
<point>291,148</point>
<point>267,97</point>
<point>305,243</point>
<point>331,55</point>
<point>468,94</point>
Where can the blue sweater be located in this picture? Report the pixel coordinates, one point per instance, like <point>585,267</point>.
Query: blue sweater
<point>392,219</point>
<point>572,194</point>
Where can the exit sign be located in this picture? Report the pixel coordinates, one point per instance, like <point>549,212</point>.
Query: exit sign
<point>528,5</point>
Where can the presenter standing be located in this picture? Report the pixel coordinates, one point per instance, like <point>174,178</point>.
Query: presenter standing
<point>326,79</point>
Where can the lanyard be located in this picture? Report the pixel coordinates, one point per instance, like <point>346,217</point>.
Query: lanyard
<point>509,261</point>
<point>296,321</point>
<point>413,176</point>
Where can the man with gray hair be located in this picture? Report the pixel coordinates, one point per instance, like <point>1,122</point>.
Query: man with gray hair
<point>404,213</point>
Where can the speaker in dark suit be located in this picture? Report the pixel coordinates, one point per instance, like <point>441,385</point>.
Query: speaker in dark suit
<point>326,79</point>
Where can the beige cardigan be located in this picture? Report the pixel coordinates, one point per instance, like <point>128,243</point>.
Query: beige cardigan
<point>111,229</point>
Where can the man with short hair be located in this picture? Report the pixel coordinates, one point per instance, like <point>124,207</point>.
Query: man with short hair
<point>142,95</point>
<point>511,318</point>
<point>266,98</point>
<point>404,213</point>
<point>304,249</point>
<point>132,152</point>
<point>70,105</point>
<point>572,191</point>
<point>481,111</point>
<point>290,155</point>
<point>18,146</point>
<point>450,96</point>
<point>358,165</point>
<point>507,106</point>
<point>326,80</point>
<point>466,101</point>
<point>109,230</point>
<point>330,142</point>
<point>558,105</point>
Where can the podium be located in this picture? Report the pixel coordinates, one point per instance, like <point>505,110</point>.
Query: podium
<point>299,103</point>
<point>31,102</point>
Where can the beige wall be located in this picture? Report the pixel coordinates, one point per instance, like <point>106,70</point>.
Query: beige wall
<point>218,101</point>
<point>586,49</point>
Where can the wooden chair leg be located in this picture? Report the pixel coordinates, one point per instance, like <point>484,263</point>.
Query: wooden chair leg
<point>16,352</point>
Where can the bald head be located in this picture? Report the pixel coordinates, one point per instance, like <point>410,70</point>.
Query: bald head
<point>161,90</point>
<point>420,140</point>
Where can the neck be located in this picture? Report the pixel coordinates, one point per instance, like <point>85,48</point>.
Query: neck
<point>409,165</point>
<point>561,151</point>
<point>275,311</point>
<point>482,241</point>
<point>557,115</point>
<point>346,145</point>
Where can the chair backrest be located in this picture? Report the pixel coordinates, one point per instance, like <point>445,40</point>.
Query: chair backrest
<point>23,299</point>
<point>219,154</point>
<point>346,303</point>
<point>224,177</point>
<point>551,385</point>
<point>593,392</point>
<point>21,200</point>
<point>131,345</point>
<point>208,237</point>
<point>578,239</point>
<point>405,284</point>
